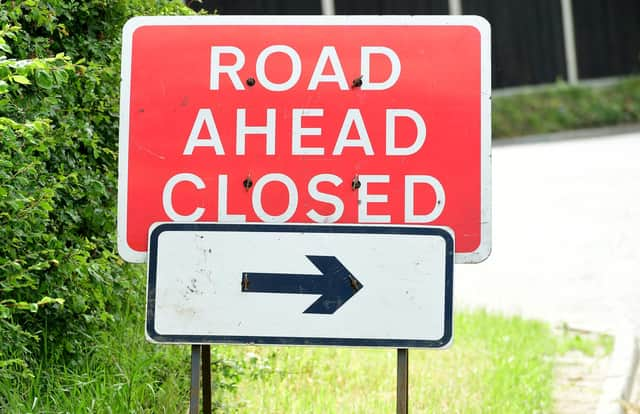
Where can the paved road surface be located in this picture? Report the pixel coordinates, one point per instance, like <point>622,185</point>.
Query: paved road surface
<point>566,234</point>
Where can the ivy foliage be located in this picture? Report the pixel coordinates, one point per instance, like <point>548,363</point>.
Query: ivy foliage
<point>60,276</point>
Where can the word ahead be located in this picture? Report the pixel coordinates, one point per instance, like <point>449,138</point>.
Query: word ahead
<point>363,120</point>
<point>300,284</point>
<point>336,284</point>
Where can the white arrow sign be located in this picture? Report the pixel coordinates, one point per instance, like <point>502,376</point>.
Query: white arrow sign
<point>300,284</point>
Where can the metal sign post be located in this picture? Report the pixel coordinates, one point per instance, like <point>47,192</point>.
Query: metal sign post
<point>194,395</point>
<point>200,365</point>
<point>402,398</point>
<point>206,378</point>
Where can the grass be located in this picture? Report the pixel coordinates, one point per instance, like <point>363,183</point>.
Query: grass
<point>590,344</point>
<point>118,372</point>
<point>496,364</point>
<point>565,107</point>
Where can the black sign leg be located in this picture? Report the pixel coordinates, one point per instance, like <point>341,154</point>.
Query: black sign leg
<point>206,379</point>
<point>196,354</point>
<point>402,401</point>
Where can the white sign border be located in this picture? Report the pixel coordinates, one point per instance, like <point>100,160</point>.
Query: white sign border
<point>158,228</point>
<point>484,249</point>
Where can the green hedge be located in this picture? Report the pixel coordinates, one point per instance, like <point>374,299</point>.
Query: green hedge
<point>563,107</point>
<point>60,276</point>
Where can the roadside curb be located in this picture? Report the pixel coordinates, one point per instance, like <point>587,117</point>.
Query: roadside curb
<point>621,373</point>
<point>586,133</point>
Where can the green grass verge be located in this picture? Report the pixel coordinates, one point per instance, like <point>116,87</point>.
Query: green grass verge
<point>564,107</point>
<point>496,364</point>
<point>117,371</point>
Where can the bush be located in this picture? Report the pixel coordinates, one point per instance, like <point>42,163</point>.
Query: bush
<point>60,276</point>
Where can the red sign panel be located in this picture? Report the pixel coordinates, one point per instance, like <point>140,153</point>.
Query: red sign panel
<point>381,120</point>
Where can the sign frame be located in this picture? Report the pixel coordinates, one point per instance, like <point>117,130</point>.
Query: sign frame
<point>478,255</point>
<point>303,229</point>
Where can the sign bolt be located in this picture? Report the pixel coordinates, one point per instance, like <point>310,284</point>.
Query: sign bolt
<point>251,81</point>
<point>355,283</point>
<point>357,82</point>
<point>247,183</point>
<point>245,282</point>
<point>355,183</point>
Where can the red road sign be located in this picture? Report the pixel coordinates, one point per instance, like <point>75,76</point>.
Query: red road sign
<point>339,119</point>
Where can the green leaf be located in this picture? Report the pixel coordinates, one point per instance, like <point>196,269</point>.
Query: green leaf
<point>43,79</point>
<point>23,80</point>
<point>48,301</point>
<point>40,126</point>
<point>4,87</point>
<point>61,76</point>
<point>46,206</point>
<point>40,266</point>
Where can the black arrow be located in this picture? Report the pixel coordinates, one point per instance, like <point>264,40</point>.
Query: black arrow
<point>336,284</point>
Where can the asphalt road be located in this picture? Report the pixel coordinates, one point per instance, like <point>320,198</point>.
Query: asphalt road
<point>566,234</point>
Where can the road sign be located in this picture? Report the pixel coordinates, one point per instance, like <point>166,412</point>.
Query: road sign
<point>345,119</point>
<point>300,284</point>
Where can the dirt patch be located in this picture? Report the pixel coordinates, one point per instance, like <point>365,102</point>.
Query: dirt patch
<point>578,382</point>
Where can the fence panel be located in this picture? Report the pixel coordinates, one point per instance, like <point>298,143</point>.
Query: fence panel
<point>607,37</point>
<point>527,43</point>
<point>527,39</point>
<point>392,6</point>
<point>257,6</point>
